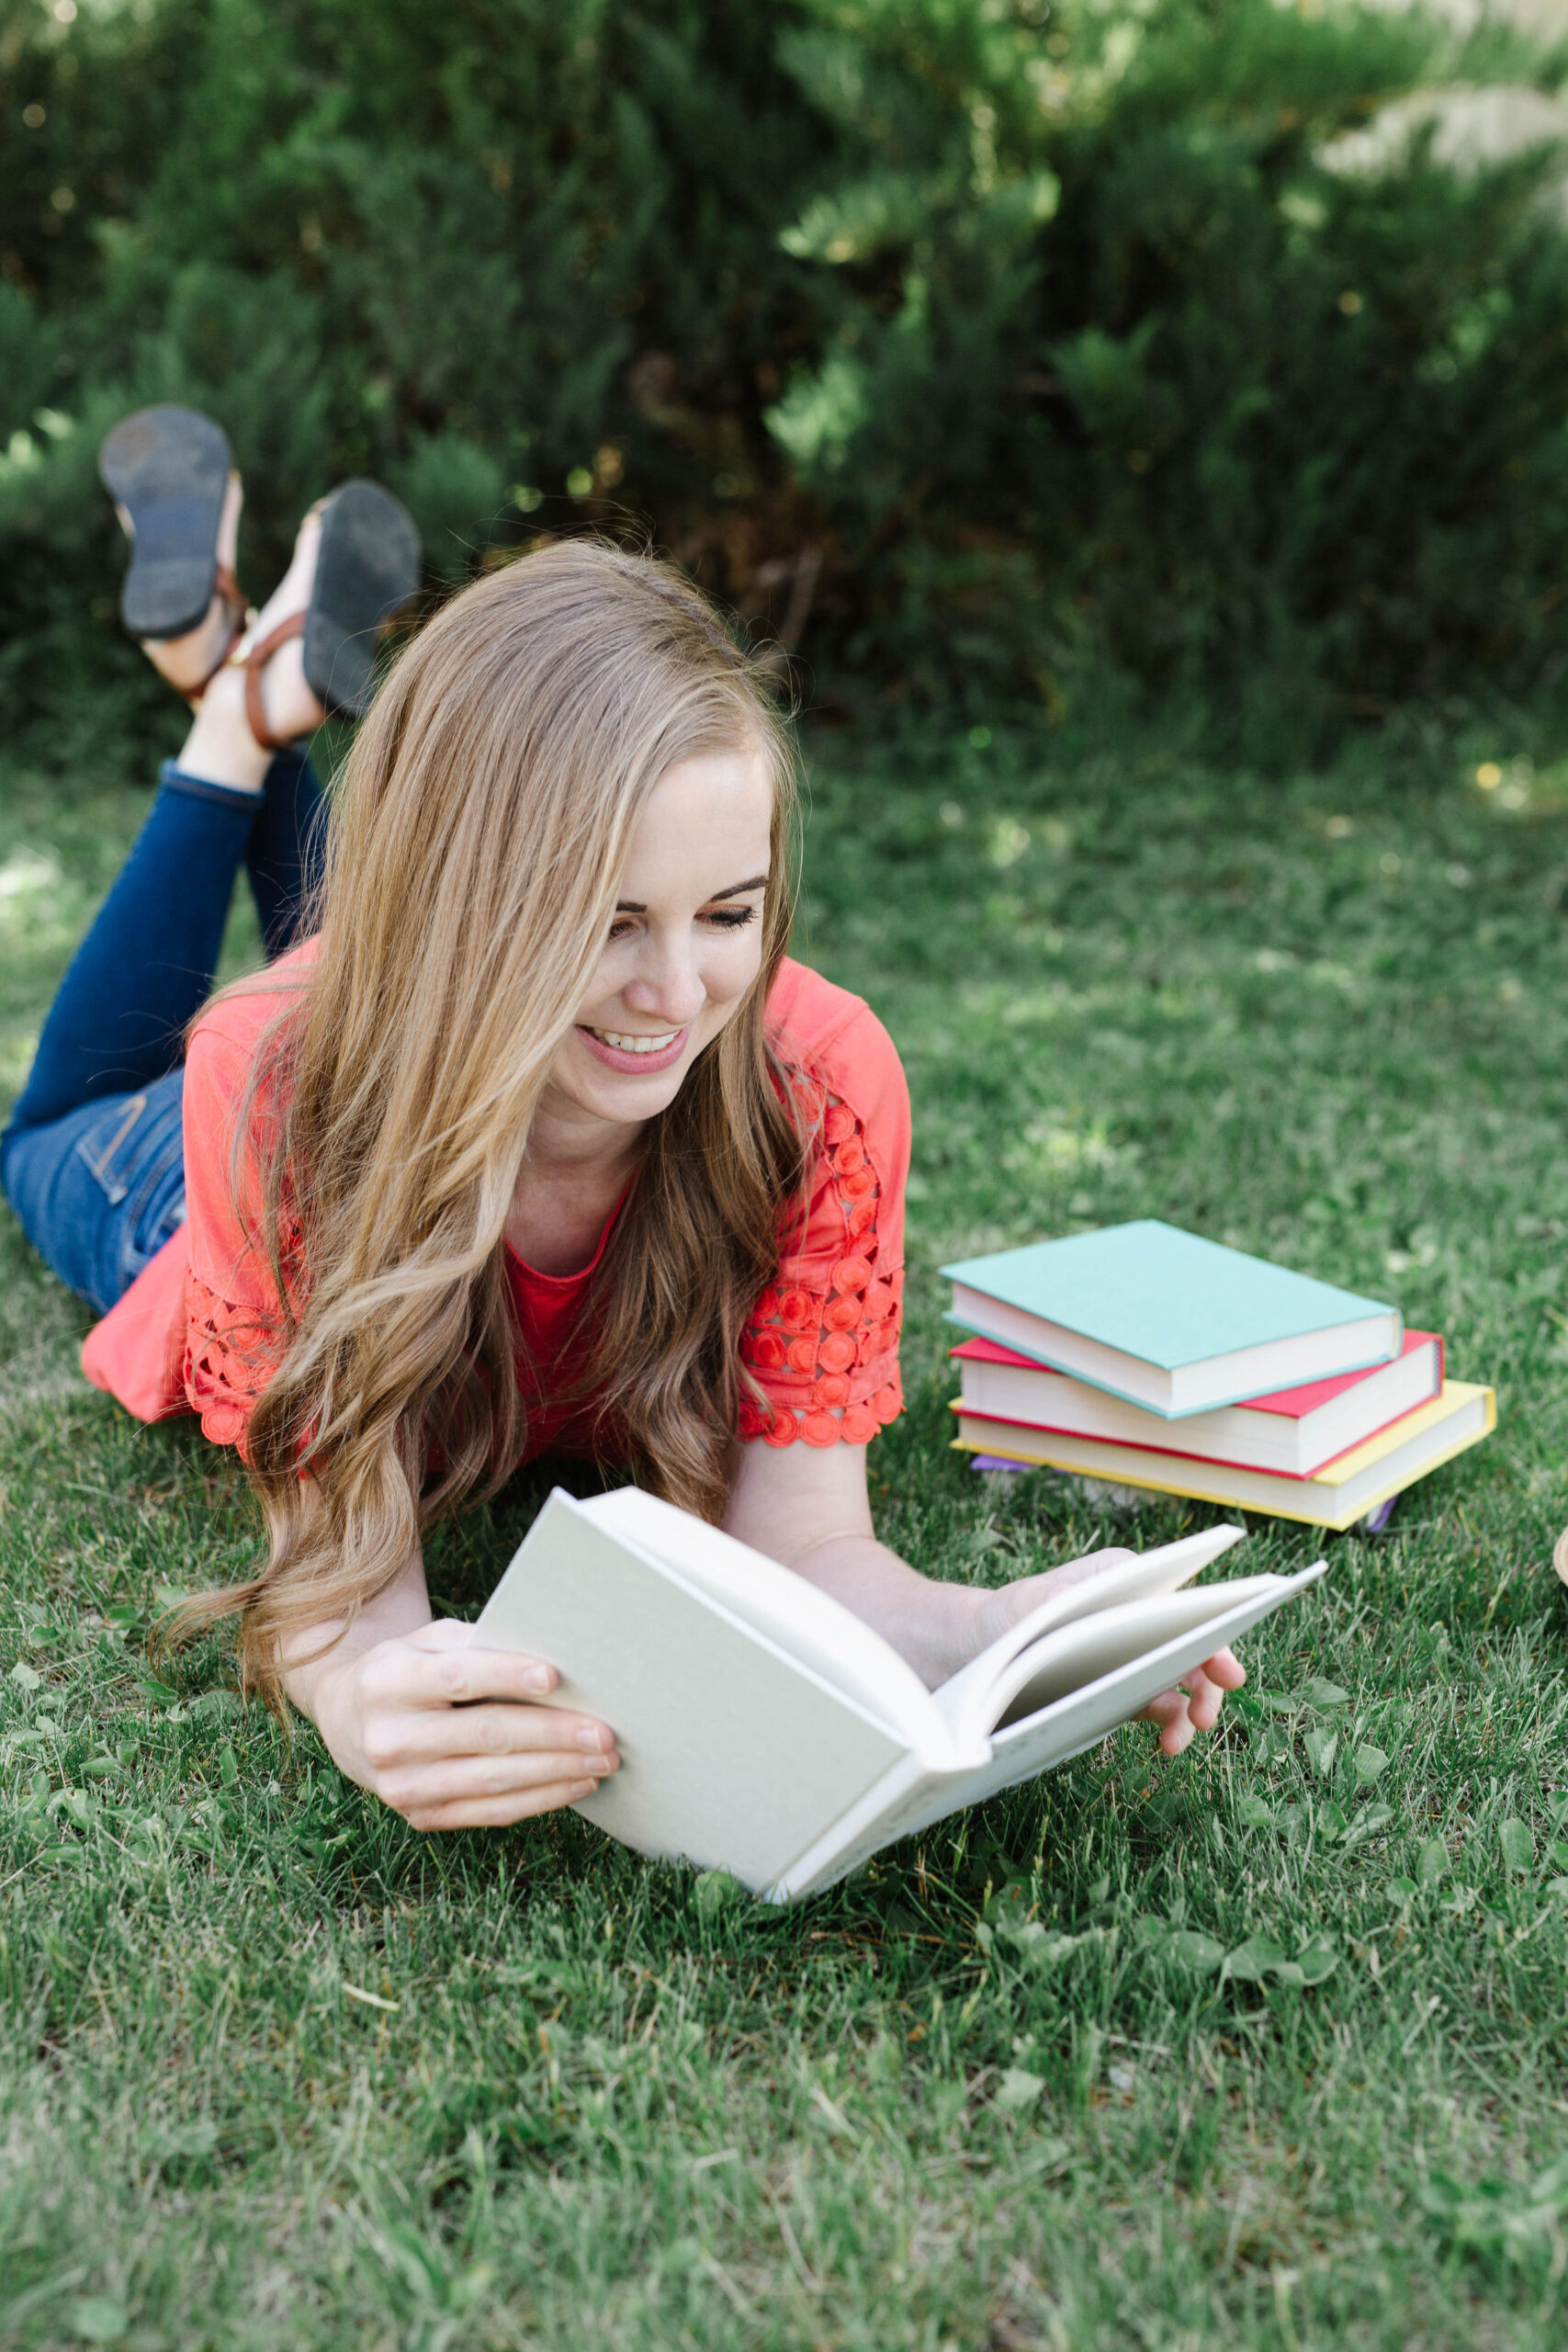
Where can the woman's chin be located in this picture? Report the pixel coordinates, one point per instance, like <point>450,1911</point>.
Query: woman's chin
<point>621,1096</point>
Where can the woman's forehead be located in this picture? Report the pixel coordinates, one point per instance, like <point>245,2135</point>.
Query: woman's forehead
<point>705,816</point>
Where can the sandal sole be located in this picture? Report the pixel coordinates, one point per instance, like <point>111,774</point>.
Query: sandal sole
<point>169,469</point>
<point>368,568</point>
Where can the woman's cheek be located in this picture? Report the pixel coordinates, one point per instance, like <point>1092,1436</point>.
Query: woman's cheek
<point>737,970</point>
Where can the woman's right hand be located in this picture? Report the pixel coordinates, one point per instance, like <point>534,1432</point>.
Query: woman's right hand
<point>454,1737</point>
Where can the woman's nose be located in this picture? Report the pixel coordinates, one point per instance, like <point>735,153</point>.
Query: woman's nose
<point>667,984</point>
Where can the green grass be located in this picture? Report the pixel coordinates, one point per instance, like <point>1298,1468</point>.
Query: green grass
<point>997,2091</point>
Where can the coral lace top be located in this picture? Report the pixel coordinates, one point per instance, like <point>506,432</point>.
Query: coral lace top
<point>822,1341</point>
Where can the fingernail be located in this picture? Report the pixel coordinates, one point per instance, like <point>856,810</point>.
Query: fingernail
<point>582,1789</point>
<point>592,1740</point>
<point>536,1678</point>
<point>603,1763</point>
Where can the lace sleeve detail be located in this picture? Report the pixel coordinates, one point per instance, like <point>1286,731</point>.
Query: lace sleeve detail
<point>228,1360</point>
<point>825,1351</point>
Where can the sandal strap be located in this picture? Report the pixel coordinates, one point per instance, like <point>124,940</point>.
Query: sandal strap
<point>225,585</point>
<point>256,660</point>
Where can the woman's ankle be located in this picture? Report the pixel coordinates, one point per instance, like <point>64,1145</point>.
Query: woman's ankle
<point>221,748</point>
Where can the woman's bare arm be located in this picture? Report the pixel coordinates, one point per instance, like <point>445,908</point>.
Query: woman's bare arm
<point>813,1514</point>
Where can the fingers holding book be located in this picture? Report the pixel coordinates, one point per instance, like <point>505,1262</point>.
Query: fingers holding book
<point>455,1738</point>
<point>490,1792</point>
<point>1196,1706</point>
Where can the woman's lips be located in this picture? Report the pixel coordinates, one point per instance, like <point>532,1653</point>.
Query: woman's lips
<point>634,1065</point>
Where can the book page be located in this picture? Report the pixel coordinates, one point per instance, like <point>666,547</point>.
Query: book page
<point>910,1800</point>
<point>734,1753</point>
<point>972,1698</point>
<point>1065,1728</point>
<point>801,1618</point>
<point>1094,1646</point>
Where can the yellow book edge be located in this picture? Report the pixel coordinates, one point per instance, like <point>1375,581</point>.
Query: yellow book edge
<point>1099,1458</point>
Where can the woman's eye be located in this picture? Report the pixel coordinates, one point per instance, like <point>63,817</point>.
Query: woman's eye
<point>716,919</point>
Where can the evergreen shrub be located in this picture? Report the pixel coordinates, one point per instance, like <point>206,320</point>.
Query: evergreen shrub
<point>979,340</point>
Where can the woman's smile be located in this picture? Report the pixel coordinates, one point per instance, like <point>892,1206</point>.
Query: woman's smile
<point>630,1050</point>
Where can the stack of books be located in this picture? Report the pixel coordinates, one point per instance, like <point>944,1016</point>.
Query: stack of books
<point>1144,1356</point>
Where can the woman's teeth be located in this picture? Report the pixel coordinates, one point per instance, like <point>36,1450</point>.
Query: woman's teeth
<point>637,1044</point>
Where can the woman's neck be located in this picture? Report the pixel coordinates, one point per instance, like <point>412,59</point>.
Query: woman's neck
<point>576,1167</point>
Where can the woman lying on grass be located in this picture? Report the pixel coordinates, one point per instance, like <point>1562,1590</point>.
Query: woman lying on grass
<point>530,1136</point>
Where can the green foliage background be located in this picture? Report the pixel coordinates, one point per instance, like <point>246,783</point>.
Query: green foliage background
<point>988,339</point>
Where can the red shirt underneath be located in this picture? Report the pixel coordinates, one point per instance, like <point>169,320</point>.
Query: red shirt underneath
<point>548,1308</point>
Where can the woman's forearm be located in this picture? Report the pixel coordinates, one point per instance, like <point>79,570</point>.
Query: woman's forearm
<point>807,1508</point>
<point>321,1649</point>
<point>935,1626</point>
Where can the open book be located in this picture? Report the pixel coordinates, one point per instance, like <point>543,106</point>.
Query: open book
<point>765,1730</point>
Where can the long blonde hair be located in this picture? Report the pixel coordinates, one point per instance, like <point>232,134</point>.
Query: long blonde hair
<point>478,834</point>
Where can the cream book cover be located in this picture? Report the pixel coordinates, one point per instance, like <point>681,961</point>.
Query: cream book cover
<point>766,1731</point>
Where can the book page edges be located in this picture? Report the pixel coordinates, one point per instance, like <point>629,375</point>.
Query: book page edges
<point>1298,1402</point>
<point>968,1699</point>
<point>1177,1611</point>
<point>1395,1421</point>
<point>1223,1491</point>
<point>1119,1374</point>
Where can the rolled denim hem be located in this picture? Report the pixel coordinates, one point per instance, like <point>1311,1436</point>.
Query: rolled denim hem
<point>174,778</point>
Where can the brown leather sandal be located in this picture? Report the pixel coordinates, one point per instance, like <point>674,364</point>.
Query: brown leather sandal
<point>366,570</point>
<point>225,585</point>
<point>168,471</point>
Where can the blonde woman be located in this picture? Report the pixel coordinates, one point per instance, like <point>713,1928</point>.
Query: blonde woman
<point>531,1137</point>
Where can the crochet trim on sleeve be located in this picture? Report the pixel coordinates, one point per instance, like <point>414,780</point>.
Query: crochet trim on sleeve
<point>228,1360</point>
<point>827,1354</point>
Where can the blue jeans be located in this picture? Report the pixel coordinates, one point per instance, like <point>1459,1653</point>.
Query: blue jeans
<point>93,1161</point>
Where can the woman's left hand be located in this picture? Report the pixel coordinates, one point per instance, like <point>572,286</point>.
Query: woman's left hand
<point>1181,1713</point>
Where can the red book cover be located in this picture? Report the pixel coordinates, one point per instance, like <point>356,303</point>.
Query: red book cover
<point>1293,1433</point>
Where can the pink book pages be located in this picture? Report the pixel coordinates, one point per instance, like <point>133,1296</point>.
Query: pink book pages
<point>1294,1404</point>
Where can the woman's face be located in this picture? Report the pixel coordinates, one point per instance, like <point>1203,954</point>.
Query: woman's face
<point>686,942</point>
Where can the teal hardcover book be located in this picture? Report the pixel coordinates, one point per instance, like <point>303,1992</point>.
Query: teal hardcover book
<point>1174,1323</point>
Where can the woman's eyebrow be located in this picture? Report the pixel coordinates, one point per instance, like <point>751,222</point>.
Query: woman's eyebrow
<point>736,891</point>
